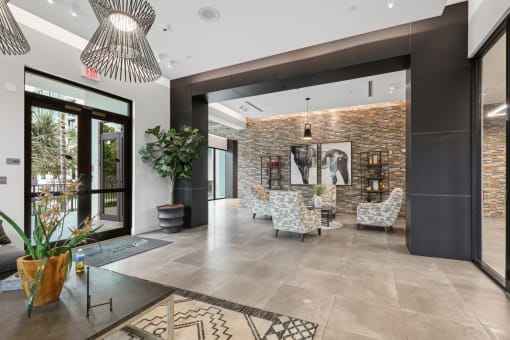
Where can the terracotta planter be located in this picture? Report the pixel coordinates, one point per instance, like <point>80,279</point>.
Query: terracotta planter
<point>170,217</point>
<point>52,280</point>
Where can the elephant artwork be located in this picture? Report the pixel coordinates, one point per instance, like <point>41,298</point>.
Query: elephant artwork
<point>303,164</point>
<point>336,163</point>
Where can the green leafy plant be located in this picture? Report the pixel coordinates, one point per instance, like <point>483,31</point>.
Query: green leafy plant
<point>318,190</point>
<point>173,152</point>
<point>48,238</point>
<point>369,198</point>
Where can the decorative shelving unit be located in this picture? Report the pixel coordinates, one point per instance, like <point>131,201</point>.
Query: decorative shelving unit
<point>271,172</point>
<point>375,175</point>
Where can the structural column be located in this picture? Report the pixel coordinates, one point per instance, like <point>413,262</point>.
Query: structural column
<point>189,110</point>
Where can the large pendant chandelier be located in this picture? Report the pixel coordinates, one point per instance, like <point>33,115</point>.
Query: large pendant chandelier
<point>12,40</point>
<point>307,134</point>
<point>119,47</point>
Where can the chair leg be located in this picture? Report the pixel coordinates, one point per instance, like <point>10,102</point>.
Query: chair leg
<point>319,230</point>
<point>276,233</point>
<point>254,215</point>
<point>302,237</point>
<point>391,229</point>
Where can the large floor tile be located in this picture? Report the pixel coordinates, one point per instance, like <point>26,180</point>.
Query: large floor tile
<point>424,327</point>
<point>500,334</point>
<point>492,311</point>
<point>308,304</point>
<point>335,334</point>
<point>204,281</point>
<point>325,282</point>
<point>243,290</point>
<point>373,291</point>
<point>372,321</point>
<point>440,301</point>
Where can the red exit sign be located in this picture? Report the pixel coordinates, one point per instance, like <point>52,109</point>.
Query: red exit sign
<point>89,73</point>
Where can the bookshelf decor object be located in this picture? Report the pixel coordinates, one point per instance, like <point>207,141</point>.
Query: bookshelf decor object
<point>271,172</point>
<point>375,175</point>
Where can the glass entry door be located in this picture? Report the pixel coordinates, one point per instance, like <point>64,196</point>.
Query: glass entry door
<point>111,170</point>
<point>74,142</point>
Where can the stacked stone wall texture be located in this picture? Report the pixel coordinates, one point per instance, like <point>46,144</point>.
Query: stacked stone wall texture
<point>493,164</point>
<point>369,128</point>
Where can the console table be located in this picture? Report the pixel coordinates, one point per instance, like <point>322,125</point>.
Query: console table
<point>66,318</point>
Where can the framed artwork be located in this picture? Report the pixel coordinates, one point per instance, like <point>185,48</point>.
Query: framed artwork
<point>303,164</point>
<point>336,163</point>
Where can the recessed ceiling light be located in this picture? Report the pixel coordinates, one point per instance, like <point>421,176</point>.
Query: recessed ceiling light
<point>209,14</point>
<point>51,1</point>
<point>390,4</point>
<point>352,8</point>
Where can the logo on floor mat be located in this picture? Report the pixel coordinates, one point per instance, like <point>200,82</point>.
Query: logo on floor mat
<point>140,243</point>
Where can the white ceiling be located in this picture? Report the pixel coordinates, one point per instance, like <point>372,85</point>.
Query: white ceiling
<point>246,30</point>
<point>322,97</point>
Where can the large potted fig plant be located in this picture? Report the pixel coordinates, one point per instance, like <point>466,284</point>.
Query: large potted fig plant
<point>42,272</point>
<point>171,155</point>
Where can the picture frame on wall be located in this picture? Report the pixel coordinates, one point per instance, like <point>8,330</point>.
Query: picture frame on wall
<point>336,163</point>
<point>303,164</point>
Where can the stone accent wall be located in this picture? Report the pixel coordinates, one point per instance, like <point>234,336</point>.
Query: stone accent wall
<point>493,164</point>
<point>370,127</point>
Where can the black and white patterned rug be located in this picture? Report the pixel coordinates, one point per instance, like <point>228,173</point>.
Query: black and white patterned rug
<point>201,317</point>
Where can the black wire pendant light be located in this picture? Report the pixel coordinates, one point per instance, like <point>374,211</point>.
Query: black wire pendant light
<point>119,47</point>
<point>12,40</point>
<point>308,128</point>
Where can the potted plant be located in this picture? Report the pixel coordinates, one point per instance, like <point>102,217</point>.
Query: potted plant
<point>318,190</point>
<point>171,155</point>
<point>43,270</point>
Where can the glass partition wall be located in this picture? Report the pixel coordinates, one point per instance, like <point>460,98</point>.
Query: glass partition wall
<point>492,248</point>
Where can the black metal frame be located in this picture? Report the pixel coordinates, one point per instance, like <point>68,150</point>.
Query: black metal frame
<point>85,115</point>
<point>364,168</point>
<point>269,171</point>
<point>476,218</point>
<point>214,173</point>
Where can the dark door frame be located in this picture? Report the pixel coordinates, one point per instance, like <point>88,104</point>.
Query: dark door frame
<point>504,282</point>
<point>85,115</point>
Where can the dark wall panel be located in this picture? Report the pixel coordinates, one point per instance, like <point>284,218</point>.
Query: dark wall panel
<point>439,226</point>
<point>436,93</point>
<point>439,175</point>
<point>439,163</point>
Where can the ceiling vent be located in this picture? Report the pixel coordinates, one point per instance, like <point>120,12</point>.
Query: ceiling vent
<point>209,14</point>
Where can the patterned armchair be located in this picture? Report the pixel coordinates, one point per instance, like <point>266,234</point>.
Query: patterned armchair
<point>258,201</point>
<point>381,214</point>
<point>289,213</point>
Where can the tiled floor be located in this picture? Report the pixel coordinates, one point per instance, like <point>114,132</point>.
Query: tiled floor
<point>493,243</point>
<point>357,284</point>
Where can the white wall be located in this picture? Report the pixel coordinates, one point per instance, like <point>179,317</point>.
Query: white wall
<point>151,104</point>
<point>484,17</point>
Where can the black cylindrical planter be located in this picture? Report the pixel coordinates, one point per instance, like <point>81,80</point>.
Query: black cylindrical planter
<point>170,218</point>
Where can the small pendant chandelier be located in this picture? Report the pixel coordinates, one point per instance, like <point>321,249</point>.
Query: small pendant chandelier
<point>12,40</point>
<point>119,47</point>
<point>308,128</point>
